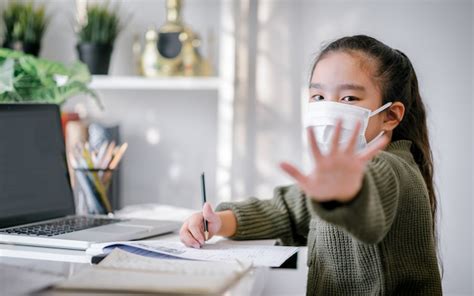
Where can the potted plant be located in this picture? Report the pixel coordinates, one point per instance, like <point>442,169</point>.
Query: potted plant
<point>97,33</point>
<point>24,26</point>
<point>25,78</point>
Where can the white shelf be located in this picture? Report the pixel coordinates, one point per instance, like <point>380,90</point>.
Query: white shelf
<point>106,82</point>
<point>224,86</point>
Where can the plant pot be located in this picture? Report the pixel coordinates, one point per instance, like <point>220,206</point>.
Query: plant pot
<point>95,56</point>
<point>26,47</point>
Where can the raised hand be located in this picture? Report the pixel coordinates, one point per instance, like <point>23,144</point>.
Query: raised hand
<point>338,175</point>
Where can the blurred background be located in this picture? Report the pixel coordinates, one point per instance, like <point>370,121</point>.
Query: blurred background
<point>241,113</point>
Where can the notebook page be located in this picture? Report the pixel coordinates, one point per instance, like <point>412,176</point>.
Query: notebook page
<point>222,251</point>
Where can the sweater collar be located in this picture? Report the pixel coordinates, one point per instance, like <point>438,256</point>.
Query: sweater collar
<point>400,145</point>
<point>402,149</point>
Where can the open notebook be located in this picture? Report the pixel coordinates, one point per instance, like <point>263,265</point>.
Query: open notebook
<point>125,272</point>
<point>214,250</point>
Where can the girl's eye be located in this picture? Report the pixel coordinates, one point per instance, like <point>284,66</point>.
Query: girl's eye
<point>349,99</point>
<point>317,98</point>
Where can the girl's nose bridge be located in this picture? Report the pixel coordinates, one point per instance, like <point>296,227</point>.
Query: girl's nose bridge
<point>331,94</point>
<point>332,97</point>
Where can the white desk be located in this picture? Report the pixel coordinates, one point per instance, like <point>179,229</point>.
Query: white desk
<point>27,276</point>
<point>20,275</point>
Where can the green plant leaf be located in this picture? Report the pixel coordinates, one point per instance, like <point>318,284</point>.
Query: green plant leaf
<point>35,80</point>
<point>6,75</point>
<point>103,25</point>
<point>24,22</point>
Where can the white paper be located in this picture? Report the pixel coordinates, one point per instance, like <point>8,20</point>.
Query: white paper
<point>223,251</point>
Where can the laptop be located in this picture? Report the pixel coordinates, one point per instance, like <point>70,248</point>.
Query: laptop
<point>36,199</point>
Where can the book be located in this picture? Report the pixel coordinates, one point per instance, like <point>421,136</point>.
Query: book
<point>125,272</point>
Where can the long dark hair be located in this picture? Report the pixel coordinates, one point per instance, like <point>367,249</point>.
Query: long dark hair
<point>398,82</point>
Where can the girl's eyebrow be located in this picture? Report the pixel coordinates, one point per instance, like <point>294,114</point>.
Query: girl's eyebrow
<point>344,86</point>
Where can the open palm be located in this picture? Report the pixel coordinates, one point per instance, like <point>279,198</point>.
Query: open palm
<point>339,174</point>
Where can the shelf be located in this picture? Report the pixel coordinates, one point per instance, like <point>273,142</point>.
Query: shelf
<point>106,82</point>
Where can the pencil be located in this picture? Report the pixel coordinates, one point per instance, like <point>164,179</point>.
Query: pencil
<point>114,163</point>
<point>96,180</point>
<point>118,156</point>
<point>203,186</point>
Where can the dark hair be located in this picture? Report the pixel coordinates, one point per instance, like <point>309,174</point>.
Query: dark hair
<point>398,82</point>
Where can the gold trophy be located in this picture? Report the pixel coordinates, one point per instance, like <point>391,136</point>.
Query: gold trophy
<point>178,45</point>
<point>173,49</point>
<point>170,46</point>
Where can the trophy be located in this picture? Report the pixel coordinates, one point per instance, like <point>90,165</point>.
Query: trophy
<point>170,45</point>
<point>173,49</point>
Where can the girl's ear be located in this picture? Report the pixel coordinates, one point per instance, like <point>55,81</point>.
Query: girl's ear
<point>393,116</point>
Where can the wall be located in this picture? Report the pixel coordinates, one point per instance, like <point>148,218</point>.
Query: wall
<point>282,38</point>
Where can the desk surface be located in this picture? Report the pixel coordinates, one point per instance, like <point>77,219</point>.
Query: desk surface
<point>26,276</point>
<point>20,276</point>
<point>23,275</point>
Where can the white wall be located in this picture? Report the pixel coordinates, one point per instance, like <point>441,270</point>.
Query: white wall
<point>282,40</point>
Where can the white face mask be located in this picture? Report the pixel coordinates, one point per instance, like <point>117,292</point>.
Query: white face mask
<point>323,117</point>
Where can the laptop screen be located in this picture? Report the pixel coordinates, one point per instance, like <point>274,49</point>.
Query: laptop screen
<point>34,179</point>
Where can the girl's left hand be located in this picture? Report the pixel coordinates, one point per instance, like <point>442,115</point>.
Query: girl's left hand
<point>338,175</point>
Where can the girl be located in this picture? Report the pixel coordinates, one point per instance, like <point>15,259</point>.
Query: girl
<point>366,211</point>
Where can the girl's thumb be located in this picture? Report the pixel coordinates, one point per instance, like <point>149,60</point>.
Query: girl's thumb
<point>208,213</point>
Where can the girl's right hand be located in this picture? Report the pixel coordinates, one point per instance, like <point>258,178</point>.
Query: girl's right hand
<point>192,231</point>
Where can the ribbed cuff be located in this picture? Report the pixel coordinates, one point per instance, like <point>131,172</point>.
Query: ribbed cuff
<point>343,212</point>
<point>257,219</point>
<point>247,217</point>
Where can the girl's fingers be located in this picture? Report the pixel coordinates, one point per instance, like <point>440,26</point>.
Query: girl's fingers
<point>335,138</point>
<point>374,149</point>
<point>186,237</point>
<point>197,230</point>
<point>351,146</point>
<point>314,146</point>
<point>293,172</point>
<point>190,241</point>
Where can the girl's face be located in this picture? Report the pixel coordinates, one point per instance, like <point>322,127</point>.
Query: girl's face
<point>347,78</point>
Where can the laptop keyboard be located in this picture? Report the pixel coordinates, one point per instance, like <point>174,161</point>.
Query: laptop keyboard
<point>62,226</point>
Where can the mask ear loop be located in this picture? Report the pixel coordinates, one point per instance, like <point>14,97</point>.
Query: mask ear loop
<point>375,112</point>
<point>376,138</point>
<point>382,108</point>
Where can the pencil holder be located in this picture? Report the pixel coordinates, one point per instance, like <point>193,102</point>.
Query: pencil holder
<point>92,191</point>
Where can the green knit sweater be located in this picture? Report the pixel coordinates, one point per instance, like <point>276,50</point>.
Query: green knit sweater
<point>381,243</point>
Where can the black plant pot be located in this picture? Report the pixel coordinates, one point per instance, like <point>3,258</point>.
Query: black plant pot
<point>95,56</point>
<point>26,47</point>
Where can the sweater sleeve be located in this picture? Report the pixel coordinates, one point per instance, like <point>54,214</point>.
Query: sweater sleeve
<point>285,216</point>
<point>369,216</point>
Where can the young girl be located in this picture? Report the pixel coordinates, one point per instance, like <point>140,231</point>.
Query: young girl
<point>367,209</point>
